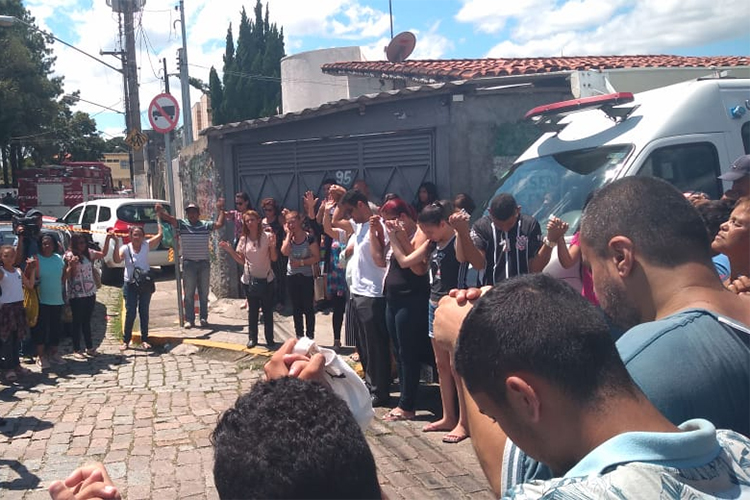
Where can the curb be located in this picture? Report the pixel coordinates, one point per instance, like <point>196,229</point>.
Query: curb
<point>162,340</point>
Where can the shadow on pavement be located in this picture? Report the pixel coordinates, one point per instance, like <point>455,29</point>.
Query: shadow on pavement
<point>25,480</point>
<point>15,426</point>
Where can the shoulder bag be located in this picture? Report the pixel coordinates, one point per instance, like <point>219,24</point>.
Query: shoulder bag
<point>143,280</point>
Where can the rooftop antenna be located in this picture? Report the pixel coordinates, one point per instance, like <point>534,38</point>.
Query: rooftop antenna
<point>401,47</point>
<point>390,12</point>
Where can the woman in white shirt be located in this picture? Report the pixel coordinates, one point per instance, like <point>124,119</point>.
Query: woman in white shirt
<point>135,255</point>
<point>13,326</point>
<point>256,250</point>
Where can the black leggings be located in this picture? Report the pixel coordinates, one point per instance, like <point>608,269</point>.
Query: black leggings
<point>302,294</point>
<point>83,309</point>
<point>49,326</point>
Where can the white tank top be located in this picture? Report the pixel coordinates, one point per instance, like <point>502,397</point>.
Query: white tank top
<point>139,260</point>
<point>12,286</point>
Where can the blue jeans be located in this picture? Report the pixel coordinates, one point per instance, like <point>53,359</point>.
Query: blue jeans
<point>135,301</point>
<point>196,274</point>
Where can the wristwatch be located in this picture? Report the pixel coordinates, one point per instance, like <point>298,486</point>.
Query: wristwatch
<point>548,243</point>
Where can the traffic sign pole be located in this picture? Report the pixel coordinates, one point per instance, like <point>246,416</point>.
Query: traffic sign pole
<point>158,113</point>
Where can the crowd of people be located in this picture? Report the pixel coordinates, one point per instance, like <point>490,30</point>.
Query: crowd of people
<point>637,382</point>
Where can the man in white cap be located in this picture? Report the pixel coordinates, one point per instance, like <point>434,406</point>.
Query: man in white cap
<point>739,176</point>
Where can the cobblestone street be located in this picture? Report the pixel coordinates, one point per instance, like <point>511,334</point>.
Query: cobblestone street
<point>148,417</point>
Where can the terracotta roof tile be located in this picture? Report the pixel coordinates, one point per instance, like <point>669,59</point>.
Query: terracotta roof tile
<point>452,69</point>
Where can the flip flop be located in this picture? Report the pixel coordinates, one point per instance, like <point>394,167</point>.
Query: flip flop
<point>454,438</point>
<point>396,416</point>
<point>123,346</point>
<point>146,346</point>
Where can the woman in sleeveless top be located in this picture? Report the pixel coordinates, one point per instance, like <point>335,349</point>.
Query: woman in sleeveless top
<point>135,255</point>
<point>303,252</point>
<point>82,289</point>
<point>336,287</point>
<point>406,291</point>
<point>446,273</point>
<point>13,326</point>
<point>256,253</point>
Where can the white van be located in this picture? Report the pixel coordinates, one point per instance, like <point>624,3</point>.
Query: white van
<point>687,134</point>
<point>97,217</point>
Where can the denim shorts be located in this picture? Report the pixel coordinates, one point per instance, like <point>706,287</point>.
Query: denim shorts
<point>431,318</point>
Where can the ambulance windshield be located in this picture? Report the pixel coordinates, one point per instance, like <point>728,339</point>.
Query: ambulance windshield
<point>559,184</point>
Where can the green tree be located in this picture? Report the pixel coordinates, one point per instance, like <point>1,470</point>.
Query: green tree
<point>251,84</point>
<point>28,93</point>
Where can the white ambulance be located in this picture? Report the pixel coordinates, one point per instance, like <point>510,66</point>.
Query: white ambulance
<point>687,134</point>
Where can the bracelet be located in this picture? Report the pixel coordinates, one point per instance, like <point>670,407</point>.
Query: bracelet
<point>548,243</point>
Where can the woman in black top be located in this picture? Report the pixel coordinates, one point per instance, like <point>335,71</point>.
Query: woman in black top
<point>406,290</point>
<point>446,273</point>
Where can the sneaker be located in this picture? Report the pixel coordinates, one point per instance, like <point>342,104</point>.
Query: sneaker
<point>56,359</point>
<point>188,325</point>
<point>42,362</point>
<point>204,323</point>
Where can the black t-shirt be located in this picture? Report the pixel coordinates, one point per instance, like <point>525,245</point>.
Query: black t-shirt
<point>506,254</point>
<point>446,272</point>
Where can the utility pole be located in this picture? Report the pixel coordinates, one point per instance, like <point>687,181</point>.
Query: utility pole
<point>187,117</point>
<point>134,102</point>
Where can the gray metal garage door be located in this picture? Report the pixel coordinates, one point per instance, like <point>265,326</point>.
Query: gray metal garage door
<point>392,162</point>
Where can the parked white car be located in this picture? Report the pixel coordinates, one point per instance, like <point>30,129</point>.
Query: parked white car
<point>97,217</point>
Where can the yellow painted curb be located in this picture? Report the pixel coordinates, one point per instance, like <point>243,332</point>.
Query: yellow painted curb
<point>156,339</point>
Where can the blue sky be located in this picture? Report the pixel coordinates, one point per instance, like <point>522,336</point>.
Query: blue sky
<point>444,29</point>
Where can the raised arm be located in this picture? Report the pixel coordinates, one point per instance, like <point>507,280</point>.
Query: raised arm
<point>154,241</point>
<point>568,256</point>
<point>286,245</point>
<point>487,437</point>
<point>404,257</point>
<point>541,259</point>
<point>165,216</point>
<point>117,255</point>
<point>377,241</point>
<point>220,219</point>
<point>100,255</point>
<point>466,250</point>
<point>238,257</point>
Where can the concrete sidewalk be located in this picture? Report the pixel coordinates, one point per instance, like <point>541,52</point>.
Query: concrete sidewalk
<point>227,329</point>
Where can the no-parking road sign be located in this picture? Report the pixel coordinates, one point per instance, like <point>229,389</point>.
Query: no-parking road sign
<point>163,113</point>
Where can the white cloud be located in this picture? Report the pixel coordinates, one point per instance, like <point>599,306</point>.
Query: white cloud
<point>643,27</point>
<point>490,16</point>
<point>431,45</point>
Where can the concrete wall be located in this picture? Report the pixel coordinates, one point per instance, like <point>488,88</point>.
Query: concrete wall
<point>487,133</point>
<point>201,183</point>
<point>642,79</point>
<point>304,85</point>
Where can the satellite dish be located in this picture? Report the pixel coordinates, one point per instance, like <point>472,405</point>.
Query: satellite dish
<point>401,47</point>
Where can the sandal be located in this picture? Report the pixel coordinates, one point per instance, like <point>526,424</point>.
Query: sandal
<point>397,416</point>
<point>454,438</point>
<point>355,357</point>
<point>124,346</point>
<point>146,346</point>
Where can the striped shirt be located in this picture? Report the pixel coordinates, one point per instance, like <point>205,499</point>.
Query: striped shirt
<point>194,239</point>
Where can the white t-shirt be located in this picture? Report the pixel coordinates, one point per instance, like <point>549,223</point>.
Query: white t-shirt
<point>139,259</point>
<point>367,278</point>
<point>12,286</point>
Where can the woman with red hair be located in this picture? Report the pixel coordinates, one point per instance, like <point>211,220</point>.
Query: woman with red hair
<point>406,291</point>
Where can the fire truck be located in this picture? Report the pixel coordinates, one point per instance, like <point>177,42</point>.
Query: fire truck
<point>54,189</point>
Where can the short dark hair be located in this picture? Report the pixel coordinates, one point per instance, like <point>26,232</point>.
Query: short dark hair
<point>503,206</point>
<point>289,438</point>
<point>435,212</point>
<point>244,196</point>
<point>465,202</point>
<point>714,213</point>
<point>537,323</point>
<point>654,215</point>
<point>352,197</point>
